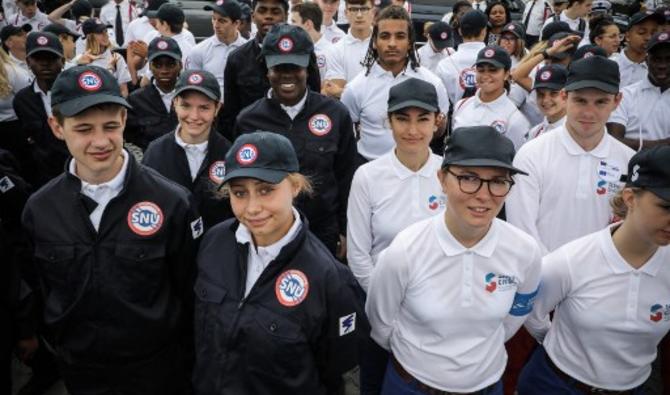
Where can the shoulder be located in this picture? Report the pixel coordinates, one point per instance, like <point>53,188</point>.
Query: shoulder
<point>48,192</point>
<point>334,106</point>
<point>425,74</point>
<point>620,149</point>
<point>522,241</point>
<point>150,178</point>
<point>238,53</point>
<point>253,108</point>
<point>159,144</point>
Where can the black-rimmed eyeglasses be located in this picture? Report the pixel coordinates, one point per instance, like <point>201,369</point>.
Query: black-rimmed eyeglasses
<point>471,184</point>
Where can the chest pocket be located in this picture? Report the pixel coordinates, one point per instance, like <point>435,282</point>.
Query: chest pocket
<point>210,334</point>
<point>321,154</point>
<point>139,271</point>
<point>63,277</point>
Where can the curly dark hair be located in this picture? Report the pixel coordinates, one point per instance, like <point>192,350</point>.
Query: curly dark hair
<point>393,12</point>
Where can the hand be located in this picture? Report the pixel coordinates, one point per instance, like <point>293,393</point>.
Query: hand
<point>564,44</point>
<point>341,251</point>
<point>87,58</point>
<point>25,348</point>
<point>331,89</point>
<point>139,48</point>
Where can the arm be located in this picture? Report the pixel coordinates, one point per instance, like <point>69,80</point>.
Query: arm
<point>520,74</point>
<point>443,102</point>
<point>56,16</point>
<point>335,78</point>
<point>524,298</point>
<point>359,230</point>
<point>345,166</point>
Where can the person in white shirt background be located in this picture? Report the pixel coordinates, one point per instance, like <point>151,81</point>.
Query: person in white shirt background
<point>451,289</point>
<point>576,169</point>
<point>170,21</point>
<point>490,105</point>
<point>329,28</point>
<point>631,60</point>
<point>28,13</point>
<point>14,44</point>
<point>575,16</point>
<point>499,16</point>
<point>81,10</point>
<point>549,81</point>
<point>453,18</point>
<point>534,15</point>
<point>119,13</point>
<point>309,16</point>
<point>609,292</point>
<point>141,26</point>
<point>439,45</point>
<point>479,5</point>
<point>605,33</point>
<point>67,39</point>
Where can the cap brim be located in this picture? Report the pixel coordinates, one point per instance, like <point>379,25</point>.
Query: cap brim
<point>75,106</point>
<point>268,175</point>
<point>663,193</point>
<point>412,103</point>
<point>657,44</point>
<point>216,9</point>
<point>605,87</point>
<point>493,62</point>
<point>298,60</point>
<point>38,50</point>
<point>548,85</point>
<point>660,19</point>
<point>484,163</point>
<point>441,44</point>
<point>151,13</point>
<point>164,53</point>
<point>197,88</point>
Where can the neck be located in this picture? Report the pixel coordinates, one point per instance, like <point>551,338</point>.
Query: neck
<point>18,54</point>
<point>395,68</point>
<point>496,29</point>
<point>571,13</point>
<point>327,21</point>
<point>361,34</point>
<point>634,250</point>
<point>167,86</point>
<point>315,36</point>
<point>662,87</point>
<point>634,55</point>
<point>194,139</point>
<point>487,97</point>
<point>290,103</point>
<point>587,143</point>
<point>411,160</point>
<point>556,117</point>
<point>100,178</point>
<point>464,234</point>
<point>45,85</point>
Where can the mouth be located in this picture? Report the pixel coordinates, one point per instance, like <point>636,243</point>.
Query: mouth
<point>256,223</point>
<point>101,156</point>
<point>478,212</point>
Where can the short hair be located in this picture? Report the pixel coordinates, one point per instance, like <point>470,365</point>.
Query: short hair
<point>572,2</point>
<point>26,2</point>
<point>309,12</point>
<point>359,2</point>
<point>176,27</point>
<point>105,107</point>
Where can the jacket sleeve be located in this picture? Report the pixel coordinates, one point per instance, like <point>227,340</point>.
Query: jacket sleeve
<point>345,166</point>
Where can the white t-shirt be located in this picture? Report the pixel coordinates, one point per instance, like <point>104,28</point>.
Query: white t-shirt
<point>346,58</point>
<point>539,11</point>
<point>643,100</point>
<point>457,71</point>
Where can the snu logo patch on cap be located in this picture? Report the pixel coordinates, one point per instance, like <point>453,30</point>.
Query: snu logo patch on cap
<point>89,81</point>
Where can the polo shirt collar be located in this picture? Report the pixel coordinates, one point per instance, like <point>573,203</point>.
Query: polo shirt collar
<point>426,171</point>
<point>115,184</point>
<point>452,247</point>
<point>626,63</point>
<point>201,147</point>
<point>616,261</point>
<point>571,146</point>
<point>350,39</point>
<point>243,236</point>
<point>492,104</point>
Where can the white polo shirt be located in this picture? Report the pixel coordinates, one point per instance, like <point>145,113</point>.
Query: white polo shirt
<point>643,100</point>
<point>38,21</point>
<point>212,55</point>
<point>539,11</point>
<point>46,98</point>
<point>608,317</point>
<point>457,71</point>
<point>18,79</point>
<point>332,33</point>
<point>567,192</point>
<point>346,58</point>
<point>445,311</point>
<point>430,59</point>
<point>544,127</point>
<point>166,97</point>
<point>128,13</point>
<point>366,98</point>
<point>138,29</point>
<point>385,198</point>
<point>630,71</point>
<point>185,40</point>
<point>322,50</point>
<point>500,113</point>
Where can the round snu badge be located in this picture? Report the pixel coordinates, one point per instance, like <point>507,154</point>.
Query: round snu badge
<point>320,124</point>
<point>145,218</point>
<point>545,75</point>
<point>217,171</point>
<point>444,35</point>
<point>663,36</point>
<point>89,81</point>
<point>285,44</point>
<point>195,79</point>
<point>489,53</point>
<point>42,40</point>
<point>247,154</point>
<point>162,45</point>
<point>291,288</point>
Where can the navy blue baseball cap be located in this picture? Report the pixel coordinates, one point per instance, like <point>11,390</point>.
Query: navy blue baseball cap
<point>82,87</point>
<point>551,76</point>
<point>229,8</point>
<point>198,80</point>
<point>594,72</point>
<point>494,55</point>
<point>480,146</point>
<point>648,169</point>
<point>287,44</point>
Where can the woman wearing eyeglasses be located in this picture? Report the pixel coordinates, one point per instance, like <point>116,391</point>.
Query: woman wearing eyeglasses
<point>604,33</point>
<point>450,290</point>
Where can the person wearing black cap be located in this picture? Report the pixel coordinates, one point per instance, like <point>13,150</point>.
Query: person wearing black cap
<point>575,15</point>
<point>212,54</point>
<point>275,313</point>
<point>588,50</point>
<point>319,127</point>
<point>195,149</point>
<point>114,264</point>
<point>641,120</point>
<point>620,273</point>
<point>152,114</point>
<point>28,13</point>
<point>438,47</point>
<point>631,60</point>
<point>170,21</point>
<point>80,10</point>
<point>549,81</point>
<point>575,169</point>
<point>605,33</point>
<point>67,39</point>
<point>14,43</point>
<point>512,39</point>
<point>453,278</point>
<point>119,13</point>
<point>490,105</point>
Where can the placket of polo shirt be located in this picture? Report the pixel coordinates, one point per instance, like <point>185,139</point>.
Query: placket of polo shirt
<point>633,294</point>
<point>416,186</point>
<point>466,290</point>
<point>584,189</point>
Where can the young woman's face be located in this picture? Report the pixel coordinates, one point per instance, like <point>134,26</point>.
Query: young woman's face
<point>196,114</point>
<point>413,129</point>
<point>650,215</point>
<point>102,38</point>
<point>490,79</point>
<point>498,16</point>
<point>508,42</point>
<point>609,40</point>
<point>264,208</point>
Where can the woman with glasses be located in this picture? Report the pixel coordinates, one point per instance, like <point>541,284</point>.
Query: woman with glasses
<point>605,33</point>
<point>451,289</point>
<point>512,39</point>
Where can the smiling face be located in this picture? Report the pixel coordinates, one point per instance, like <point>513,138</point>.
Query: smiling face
<point>551,103</point>
<point>392,43</point>
<point>658,61</point>
<point>588,110</point>
<point>267,14</point>
<point>413,129</point>
<point>649,215</point>
<point>288,82</point>
<point>490,79</point>
<point>165,70</point>
<point>196,114</point>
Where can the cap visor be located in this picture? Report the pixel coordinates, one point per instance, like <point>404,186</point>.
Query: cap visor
<point>45,49</point>
<point>268,175</point>
<point>298,60</point>
<point>217,9</point>
<point>548,85</point>
<point>663,193</point>
<point>609,88</point>
<point>412,103</point>
<point>441,44</point>
<point>75,106</point>
<point>492,62</point>
<point>200,89</point>
<point>485,163</point>
<point>164,53</point>
<point>151,13</point>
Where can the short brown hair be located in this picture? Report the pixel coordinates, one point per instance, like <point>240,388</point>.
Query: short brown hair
<point>309,12</point>
<point>105,107</point>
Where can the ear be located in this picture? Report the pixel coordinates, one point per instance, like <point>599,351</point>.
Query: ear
<point>628,196</point>
<point>617,99</point>
<point>56,128</point>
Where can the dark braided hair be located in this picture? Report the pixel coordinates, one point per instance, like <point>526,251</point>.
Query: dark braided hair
<point>393,12</point>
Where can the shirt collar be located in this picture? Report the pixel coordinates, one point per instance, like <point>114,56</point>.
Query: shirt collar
<point>616,261</point>
<point>39,90</point>
<point>200,147</point>
<point>160,91</point>
<point>426,171</point>
<point>296,108</point>
<point>629,63</point>
<point>115,184</point>
<point>600,151</point>
<point>499,100</point>
<point>350,39</point>
<point>243,236</point>
<point>452,247</point>
<point>471,46</point>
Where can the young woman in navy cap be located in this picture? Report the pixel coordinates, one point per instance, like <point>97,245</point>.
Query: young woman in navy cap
<point>610,294</point>
<point>451,289</point>
<point>276,313</point>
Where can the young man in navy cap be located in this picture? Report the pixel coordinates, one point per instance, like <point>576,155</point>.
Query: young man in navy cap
<point>319,127</point>
<point>114,264</point>
<point>549,81</point>
<point>439,46</point>
<point>195,150</point>
<point>152,114</point>
<point>632,59</point>
<point>14,43</point>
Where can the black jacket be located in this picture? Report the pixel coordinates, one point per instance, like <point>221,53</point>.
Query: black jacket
<point>122,293</point>
<point>295,333</point>
<point>48,153</point>
<point>245,81</point>
<point>327,155</point>
<point>168,158</point>
<point>147,120</point>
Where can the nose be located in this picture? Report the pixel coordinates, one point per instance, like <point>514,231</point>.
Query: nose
<point>254,205</point>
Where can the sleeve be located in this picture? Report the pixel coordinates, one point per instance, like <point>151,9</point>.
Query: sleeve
<point>122,73</point>
<point>336,69</point>
<point>519,127</point>
<point>388,285</point>
<point>194,59</point>
<point>18,78</point>
<point>350,101</point>
<point>359,230</point>
<point>525,295</point>
<point>442,72</point>
<point>620,114</point>
<point>522,207</point>
<point>556,286</point>
<point>442,96</point>
<point>345,166</point>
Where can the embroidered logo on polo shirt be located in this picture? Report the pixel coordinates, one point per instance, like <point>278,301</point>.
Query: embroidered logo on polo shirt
<point>42,40</point>
<point>320,124</point>
<point>467,78</point>
<point>499,282</point>
<point>217,171</point>
<point>162,44</point>
<point>145,218</point>
<point>335,39</point>
<point>347,324</point>
<point>663,36</point>
<point>320,61</point>
<point>89,81</point>
<point>247,154</point>
<point>435,202</point>
<point>658,313</point>
<point>291,288</point>
<point>285,44</point>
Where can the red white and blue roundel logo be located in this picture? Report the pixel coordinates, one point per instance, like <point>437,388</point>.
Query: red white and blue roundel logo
<point>195,79</point>
<point>491,282</point>
<point>291,288</point>
<point>500,126</point>
<point>435,202</point>
<point>162,44</point>
<point>217,171</point>
<point>489,53</point>
<point>658,313</point>
<point>89,81</point>
<point>545,75</point>
<point>285,44</point>
<point>145,218</point>
<point>320,124</point>
<point>42,40</point>
<point>247,154</point>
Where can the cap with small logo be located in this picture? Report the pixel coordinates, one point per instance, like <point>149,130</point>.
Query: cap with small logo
<point>11,30</point>
<point>494,55</point>
<point>81,8</point>
<point>661,38</point>
<point>473,20</point>
<point>198,80</point>
<point>152,6</point>
<point>287,44</point>
<point>588,50</point>
<point>648,169</point>
<point>643,16</point>
<point>554,41</point>
<point>594,72</point>
<point>265,156</point>
<point>413,92</point>
<point>82,87</point>
<point>665,12</point>
<point>441,34</point>
<point>479,146</point>
<point>164,46</point>
<point>556,27</point>
<point>515,28</point>
<point>43,42</point>
<point>169,13</point>
<point>552,76</point>
<point>94,25</point>
<point>601,6</point>
<point>58,29</point>
<point>229,8</point>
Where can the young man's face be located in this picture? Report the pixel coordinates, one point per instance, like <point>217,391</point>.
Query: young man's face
<point>17,42</point>
<point>224,27</point>
<point>329,8</point>
<point>28,9</point>
<point>45,65</point>
<point>165,70</point>
<point>392,42</point>
<point>658,61</point>
<point>588,110</point>
<point>360,15</point>
<point>95,140</point>
<point>583,8</point>
<point>638,35</point>
<point>288,82</point>
<point>196,114</point>
<point>267,14</point>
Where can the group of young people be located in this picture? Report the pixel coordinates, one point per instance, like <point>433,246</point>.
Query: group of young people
<point>260,217</point>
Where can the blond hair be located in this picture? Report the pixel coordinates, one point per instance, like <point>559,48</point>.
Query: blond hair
<point>94,47</point>
<point>298,180</point>
<point>5,85</point>
<point>619,207</point>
